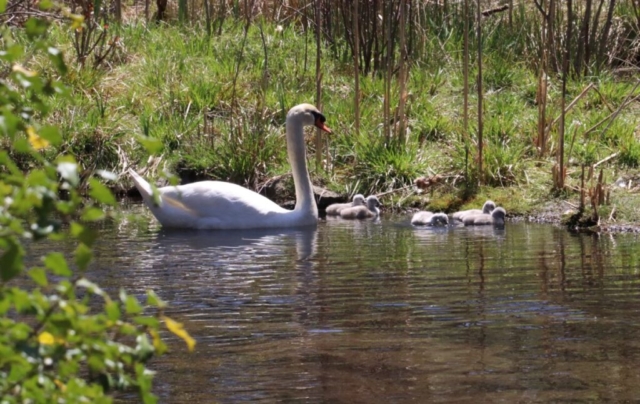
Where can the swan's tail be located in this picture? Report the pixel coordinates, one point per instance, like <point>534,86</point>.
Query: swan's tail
<point>143,187</point>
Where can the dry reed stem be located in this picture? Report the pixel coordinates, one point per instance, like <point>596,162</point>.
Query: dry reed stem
<point>403,76</point>
<point>356,66</point>
<point>318,142</point>
<point>612,115</point>
<point>480,94</point>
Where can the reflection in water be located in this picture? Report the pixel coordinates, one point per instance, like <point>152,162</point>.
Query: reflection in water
<point>379,312</point>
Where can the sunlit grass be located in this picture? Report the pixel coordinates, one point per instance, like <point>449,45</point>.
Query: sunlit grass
<point>218,109</point>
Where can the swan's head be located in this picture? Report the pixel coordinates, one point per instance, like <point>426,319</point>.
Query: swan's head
<point>309,116</point>
<point>439,219</point>
<point>358,200</point>
<point>488,207</point>
<point>498,215</point>
<point>373,202</point>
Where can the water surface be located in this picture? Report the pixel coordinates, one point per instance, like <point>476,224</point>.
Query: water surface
<point>380,312</point>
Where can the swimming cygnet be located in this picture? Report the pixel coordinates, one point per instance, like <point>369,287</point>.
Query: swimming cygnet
<point>487,208</point>
<point>335,208</point>
<point>426,218</point>
<point>362,212</point>
<point>496,218</point>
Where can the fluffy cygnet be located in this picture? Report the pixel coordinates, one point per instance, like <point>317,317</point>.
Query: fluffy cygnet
<point>363,212</point>
<point>335,208</point>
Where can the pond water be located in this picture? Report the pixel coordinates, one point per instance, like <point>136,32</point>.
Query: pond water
<point>380,312</point>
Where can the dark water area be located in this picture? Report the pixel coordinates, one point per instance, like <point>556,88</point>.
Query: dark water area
<point>381,312</point>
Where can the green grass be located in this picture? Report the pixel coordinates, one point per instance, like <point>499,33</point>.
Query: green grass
<point>176,85</point>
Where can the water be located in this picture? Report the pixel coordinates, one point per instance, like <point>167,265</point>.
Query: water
<point>380,312</point>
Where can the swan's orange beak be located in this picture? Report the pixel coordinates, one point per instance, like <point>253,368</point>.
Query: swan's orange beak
<point>321,125</point>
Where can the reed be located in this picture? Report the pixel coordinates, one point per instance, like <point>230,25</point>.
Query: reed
<point>216,105</point>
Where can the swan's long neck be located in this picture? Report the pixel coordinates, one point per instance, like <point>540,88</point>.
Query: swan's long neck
<point>296,150</point>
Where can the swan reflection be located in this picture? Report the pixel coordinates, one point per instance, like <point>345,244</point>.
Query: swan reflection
<point>241,241</point>
<point>199,261</point>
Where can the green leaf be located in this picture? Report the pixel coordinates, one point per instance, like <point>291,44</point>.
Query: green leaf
<point>39,275</point>
<point>154,300</point>
<point>132,306</point>
<point>12,53</point>
<point>11,261</point>
<point>55,55</point>
<point>8,163</point>
<point>113,311</point>
<point>3,6</point>
<point>45,5</point>
<point>92,214</point>
<point>101,193</point>
<point>35,27</point>
<point>147,321</point>
<point>96,6</point>
<point>57,264</point>
<point>50,133</point>
<point>83,233</point>
<point>143,378</point>
<point>153,145</point>
<point>9,124</point>
<point>83,256</point>
<point>21,144</point>
<point>96,363</point>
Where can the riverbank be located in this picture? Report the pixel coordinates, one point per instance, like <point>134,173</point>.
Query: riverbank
<point>173,100</point>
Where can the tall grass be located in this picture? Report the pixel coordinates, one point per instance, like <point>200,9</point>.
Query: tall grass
<point>221,116</point>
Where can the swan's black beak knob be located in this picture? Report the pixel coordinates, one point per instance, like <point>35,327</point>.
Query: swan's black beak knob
<point>319,122</point>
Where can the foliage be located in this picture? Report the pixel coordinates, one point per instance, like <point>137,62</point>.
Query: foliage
<point>63,339</point>
<point>216,103</point>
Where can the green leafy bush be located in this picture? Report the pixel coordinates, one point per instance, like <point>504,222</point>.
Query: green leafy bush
<point>63,338</point>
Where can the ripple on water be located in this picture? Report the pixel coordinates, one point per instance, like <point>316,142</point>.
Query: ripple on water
<point>381,312</point>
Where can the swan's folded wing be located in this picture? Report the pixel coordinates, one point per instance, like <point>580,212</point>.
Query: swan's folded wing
<point>216,199</point>
<point>170,200</point>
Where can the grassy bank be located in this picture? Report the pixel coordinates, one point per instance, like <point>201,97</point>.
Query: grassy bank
<point>215,108</point>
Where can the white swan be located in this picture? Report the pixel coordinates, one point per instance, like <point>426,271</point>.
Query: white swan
<point>426,218</point>
<point>223,205</point>
<point>363,212</point>
<point>496,217</point>
<point>335,208</point>
<point>487,208</point>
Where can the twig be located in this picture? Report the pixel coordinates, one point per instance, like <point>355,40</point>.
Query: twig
<point>606,159</point>
<point>494,10</point>
<point>626,102</point>
<point>35,13</point>
<point>393,190</point>
<point>611,115</point>
<point>571,105</point>
<point>604,100</point>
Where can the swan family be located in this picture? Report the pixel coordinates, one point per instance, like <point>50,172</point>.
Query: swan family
<point>224,205</point>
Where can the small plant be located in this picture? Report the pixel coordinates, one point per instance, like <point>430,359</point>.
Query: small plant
<point>384,167</point>
<point>630,152</point>
<point>63,339</point>
<point>91,34</point>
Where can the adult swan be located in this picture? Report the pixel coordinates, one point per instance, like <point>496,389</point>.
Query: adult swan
<point>223,205</point>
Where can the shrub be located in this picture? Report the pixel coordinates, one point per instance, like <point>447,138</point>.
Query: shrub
<point>63,338</point>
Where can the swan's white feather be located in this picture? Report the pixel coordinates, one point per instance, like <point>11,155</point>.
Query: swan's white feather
<point>224,205</point>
